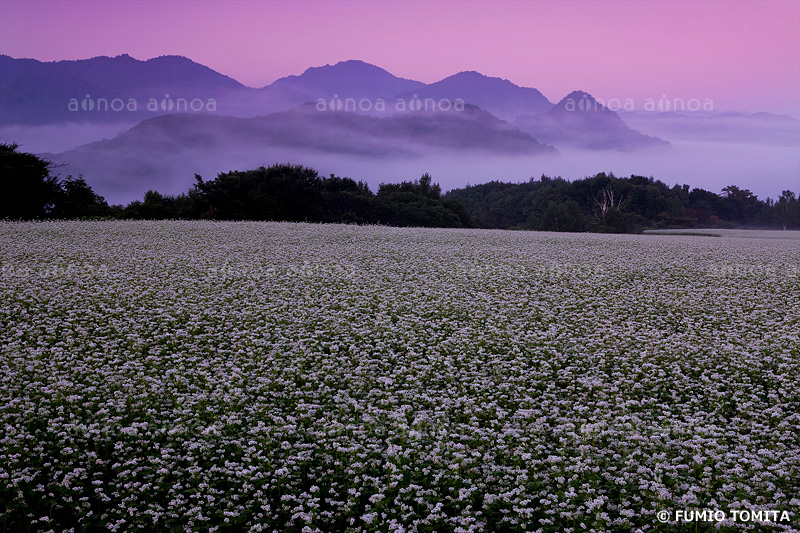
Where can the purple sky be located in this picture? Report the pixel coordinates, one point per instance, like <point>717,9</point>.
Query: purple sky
<point>743,55</point>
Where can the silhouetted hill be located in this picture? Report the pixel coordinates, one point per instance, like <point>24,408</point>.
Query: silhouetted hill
<point>348,79</point>
<point>170,148</point>
<point>126,75</point>
<point>36,92</point>
<point>334,131</point>
<point>498,96</point>
<point>580,121</point>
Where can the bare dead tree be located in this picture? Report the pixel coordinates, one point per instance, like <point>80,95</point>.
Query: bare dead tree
<point>608,202</point>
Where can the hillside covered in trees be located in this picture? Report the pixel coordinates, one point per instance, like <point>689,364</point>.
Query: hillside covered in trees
<point>603,203</point>
<point>296,193</point>
<point>606,203</point>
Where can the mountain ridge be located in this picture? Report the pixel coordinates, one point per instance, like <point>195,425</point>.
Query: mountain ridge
<point>352,78</point>
<point>578,120</point>
<point>168,149</point>
<point>499,96</point>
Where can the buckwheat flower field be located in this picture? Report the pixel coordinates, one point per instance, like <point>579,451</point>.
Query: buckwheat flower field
<point>205,376</point>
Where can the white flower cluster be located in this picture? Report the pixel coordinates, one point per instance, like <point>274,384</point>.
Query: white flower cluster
<point>385,379</point>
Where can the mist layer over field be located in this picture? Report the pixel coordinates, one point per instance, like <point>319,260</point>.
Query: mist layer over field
<point>124,173</point>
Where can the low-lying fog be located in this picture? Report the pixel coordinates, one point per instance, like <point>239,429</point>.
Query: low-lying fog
<point>60,137</point>
<point>124,176</point>
<point>765,170</point>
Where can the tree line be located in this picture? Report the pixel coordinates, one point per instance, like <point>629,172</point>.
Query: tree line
<point>605,203</point>
<point>602,203</point>
<point>296,193</point>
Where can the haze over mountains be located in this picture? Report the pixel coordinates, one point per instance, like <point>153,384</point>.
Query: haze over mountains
<point>580,121</point>
<point>761,128</point>
<point>334,131</point>
<point>153,152</point>
<point>361,114</point>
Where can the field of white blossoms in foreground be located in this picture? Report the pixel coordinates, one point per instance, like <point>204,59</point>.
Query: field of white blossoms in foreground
<point>295,377</point>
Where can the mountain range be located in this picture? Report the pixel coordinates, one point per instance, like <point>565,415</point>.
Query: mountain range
<point>163,152</point>
<point>169,114</point>
<point>126,91</point>
<point>34,92</point>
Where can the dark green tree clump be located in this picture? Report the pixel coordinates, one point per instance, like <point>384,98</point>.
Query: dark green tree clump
<point>296,193</point>
<point>419,203</point>
<point>605,203</point>
<point>31,191</point>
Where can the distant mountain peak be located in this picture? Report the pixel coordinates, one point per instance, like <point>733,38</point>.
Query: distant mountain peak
<point>580,120</point>
<point>475,76</point>
<point>580,101</point>
<point>356,63</point>
<point>578,94</point>
<point>351,78</point>
<point>352,65</point>
<point>500,97</point>
<point>470,73</point>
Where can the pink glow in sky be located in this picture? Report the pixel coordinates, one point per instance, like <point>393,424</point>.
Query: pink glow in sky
<point>744,55</point>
